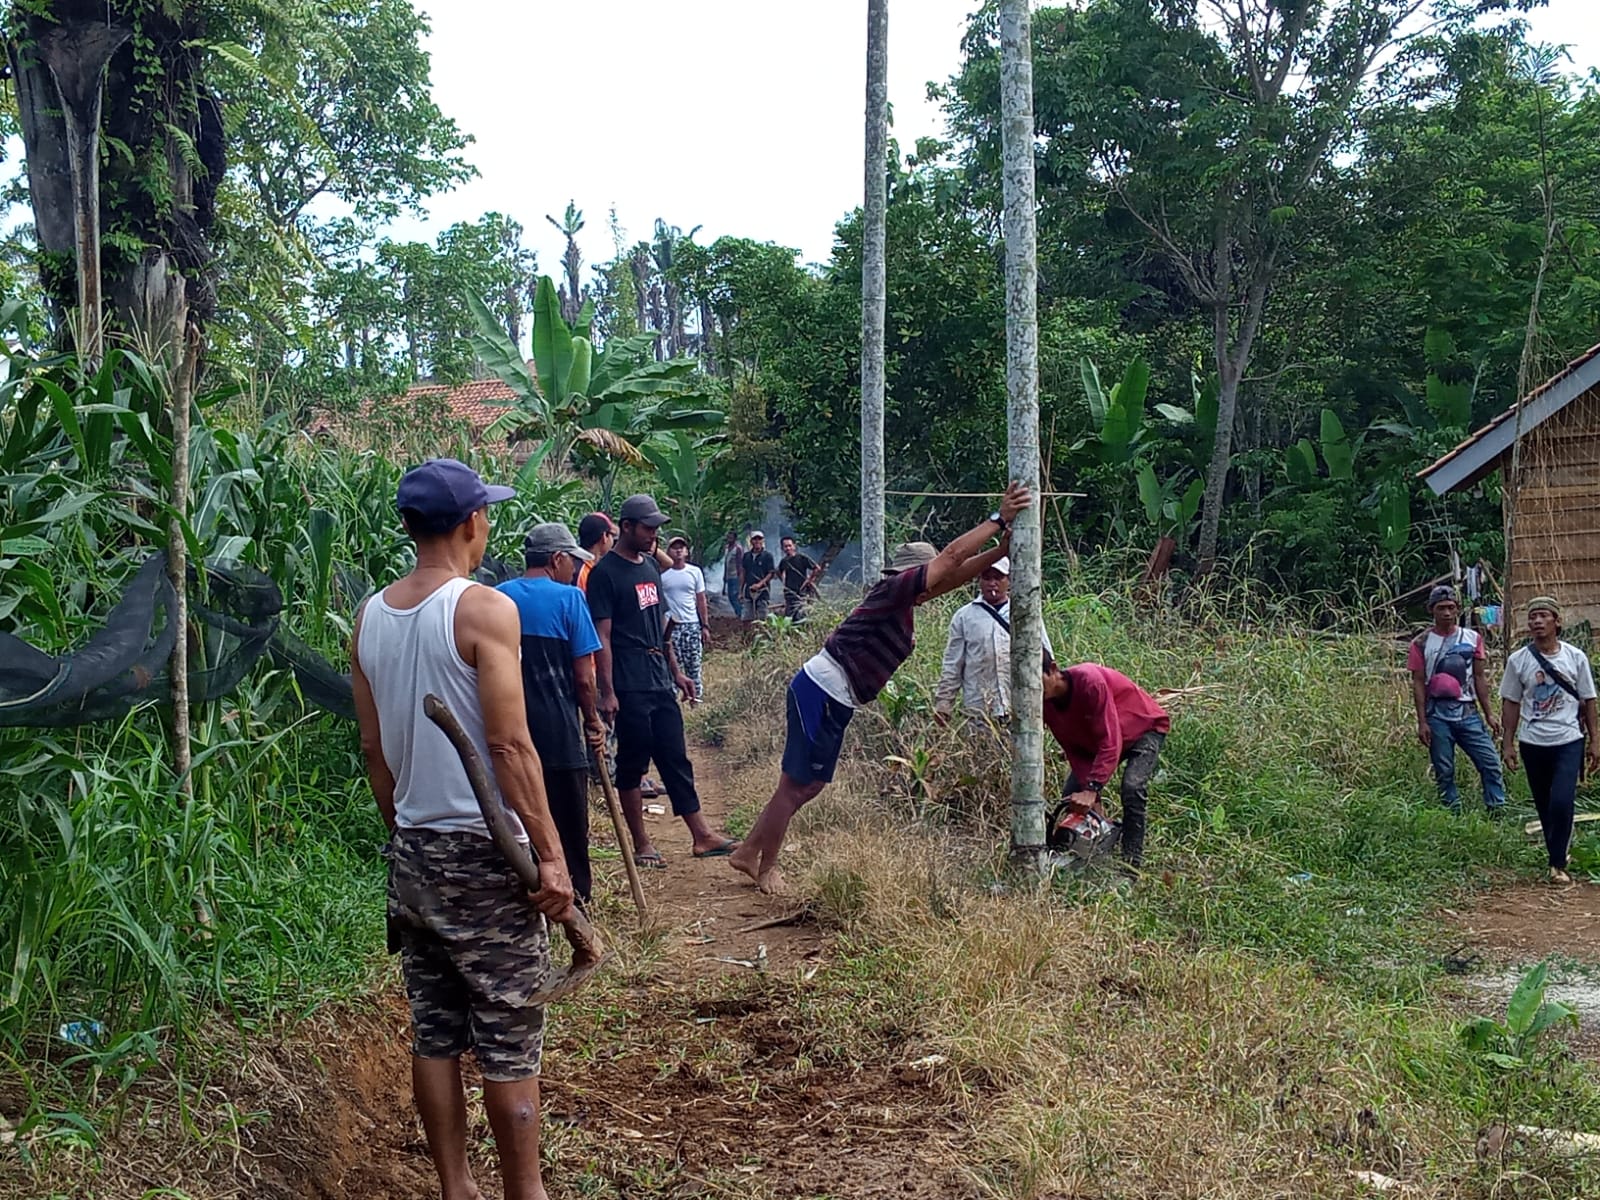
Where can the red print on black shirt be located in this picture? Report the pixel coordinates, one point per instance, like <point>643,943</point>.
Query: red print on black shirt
<point>649,597</point>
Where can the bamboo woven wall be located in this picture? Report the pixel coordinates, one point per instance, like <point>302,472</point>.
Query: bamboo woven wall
<point>1555,532</point>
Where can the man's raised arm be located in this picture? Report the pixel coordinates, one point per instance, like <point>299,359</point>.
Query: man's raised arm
<point>964,559</point>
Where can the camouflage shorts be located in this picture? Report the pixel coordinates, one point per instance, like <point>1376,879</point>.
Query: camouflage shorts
<point>472,950</point>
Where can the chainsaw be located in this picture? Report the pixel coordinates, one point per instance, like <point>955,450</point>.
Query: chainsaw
<point>1080,834</point>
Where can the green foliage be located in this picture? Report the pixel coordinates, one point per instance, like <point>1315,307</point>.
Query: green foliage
<point>1336,449</point>
<point>1117,417</point>
<point>1516,1043</point>
<point>601,407</point>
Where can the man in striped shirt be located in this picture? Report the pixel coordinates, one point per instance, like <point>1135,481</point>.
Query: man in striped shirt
<point>852,668</point>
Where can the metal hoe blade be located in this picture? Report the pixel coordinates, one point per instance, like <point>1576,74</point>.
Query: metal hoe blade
<point>587,951</point>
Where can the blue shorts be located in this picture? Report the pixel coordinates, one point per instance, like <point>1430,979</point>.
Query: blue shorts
<point>816,731</point>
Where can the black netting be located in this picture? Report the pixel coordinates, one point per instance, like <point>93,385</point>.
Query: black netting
<point>234,615</point>
<point>111,673</point>
<point>320,682</point>
<point>234,619</point>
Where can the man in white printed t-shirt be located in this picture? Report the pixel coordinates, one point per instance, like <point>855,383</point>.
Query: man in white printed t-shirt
<point>683,587</point>
<point>1548,709</point>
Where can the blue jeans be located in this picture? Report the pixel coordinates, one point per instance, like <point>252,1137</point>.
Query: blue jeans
<point>731,591</point>
<point>1472,735</point>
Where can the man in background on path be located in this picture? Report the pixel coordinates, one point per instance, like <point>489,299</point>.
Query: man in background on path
<point>799,572</point>
<point>596,535</point>
<point>639,678</point>
<point>758,569</point>
<point>1547,712</point>
<point>733,573</point>
<point>684,586</point>
<point>558,648</point>
<point>977,653</point>
<point>852,668</point>
<point>472,954</point>
<point>1450,690</point>
<point>1101,719</point>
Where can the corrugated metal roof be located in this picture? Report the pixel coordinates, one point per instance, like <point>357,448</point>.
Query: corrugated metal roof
<point>1476,455</point>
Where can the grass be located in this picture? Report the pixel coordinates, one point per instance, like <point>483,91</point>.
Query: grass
<point>1223,1028</point>
<point>124,905</point>
<point>1227,1027</point>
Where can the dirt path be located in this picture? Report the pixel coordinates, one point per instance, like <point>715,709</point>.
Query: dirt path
<point>714,920</point>
<point>1513,927</point>
<point>700,1074</point>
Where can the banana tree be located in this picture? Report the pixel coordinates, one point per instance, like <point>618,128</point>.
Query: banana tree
<point>692,471</point>
<point>1117,415</point>
<point>597,406</point>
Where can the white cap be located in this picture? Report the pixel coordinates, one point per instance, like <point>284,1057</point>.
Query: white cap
<point>756,533</point>
<point>1001,564</point>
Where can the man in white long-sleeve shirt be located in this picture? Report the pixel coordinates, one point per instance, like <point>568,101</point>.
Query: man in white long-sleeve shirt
<point>977,655</point>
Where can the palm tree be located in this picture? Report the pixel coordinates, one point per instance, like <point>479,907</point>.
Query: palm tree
<point>873,215</point>
<point>1022,386</point>
<point>569,226</point>
<point>663,251</point>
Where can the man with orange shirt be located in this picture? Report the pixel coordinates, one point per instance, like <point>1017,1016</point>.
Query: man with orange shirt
<point>1102,719</point>
<point>597,533</point>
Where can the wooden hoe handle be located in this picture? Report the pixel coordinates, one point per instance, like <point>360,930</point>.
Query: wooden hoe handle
<point>587,951</point>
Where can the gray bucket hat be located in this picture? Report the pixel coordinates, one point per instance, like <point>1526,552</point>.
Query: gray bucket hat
<point>553,538</point>
<point>909,555</point>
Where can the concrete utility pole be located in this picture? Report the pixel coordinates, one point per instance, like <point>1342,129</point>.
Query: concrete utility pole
<point>1022,430</point>
<point>873,270</point>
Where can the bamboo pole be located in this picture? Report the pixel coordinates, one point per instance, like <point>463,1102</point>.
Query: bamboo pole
<point>178,558</point>
<point>1022,389</point>
<point>873,270</point>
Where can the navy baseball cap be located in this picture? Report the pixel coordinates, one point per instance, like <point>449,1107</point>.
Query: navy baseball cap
<point>442,493</point>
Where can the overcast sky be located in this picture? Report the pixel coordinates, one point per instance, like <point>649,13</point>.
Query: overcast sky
<point>742,116</point>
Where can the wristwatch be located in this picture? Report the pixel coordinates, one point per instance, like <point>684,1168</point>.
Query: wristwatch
<point>999,520</point>
<point>1096,787</point>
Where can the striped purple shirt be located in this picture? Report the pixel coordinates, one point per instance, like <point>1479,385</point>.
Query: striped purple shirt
<point>872,642</point>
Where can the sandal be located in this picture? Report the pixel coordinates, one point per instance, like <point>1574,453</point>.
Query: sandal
<point>728,847</point>
<point>650,860</point>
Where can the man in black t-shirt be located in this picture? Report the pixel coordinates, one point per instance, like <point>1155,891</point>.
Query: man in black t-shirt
<point>636,673</point>
<point>798,572</point>
<point>758,572</point>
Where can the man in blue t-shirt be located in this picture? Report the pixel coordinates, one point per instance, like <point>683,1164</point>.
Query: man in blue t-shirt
<point>558,681</point>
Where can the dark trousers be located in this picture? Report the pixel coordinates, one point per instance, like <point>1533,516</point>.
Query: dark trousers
<point>1139,761</point>
<point>1553,779</point>
<point>568,795</point>
<point>650,728</point>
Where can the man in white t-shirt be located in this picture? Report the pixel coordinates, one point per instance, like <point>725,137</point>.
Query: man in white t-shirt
<point>683,586</point>
<point>1547,708</point>
<point>1451,692</point>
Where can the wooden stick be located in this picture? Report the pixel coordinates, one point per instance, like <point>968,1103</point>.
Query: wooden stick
<point>587,951</point>
<point>624,841</point>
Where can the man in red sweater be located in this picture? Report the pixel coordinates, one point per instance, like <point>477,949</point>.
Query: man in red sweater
<point>1102,718</point>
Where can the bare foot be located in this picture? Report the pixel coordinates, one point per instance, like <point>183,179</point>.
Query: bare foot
<point>747,861</point>
<point>771,882</point>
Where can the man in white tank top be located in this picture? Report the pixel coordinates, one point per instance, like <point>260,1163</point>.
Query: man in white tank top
<point>473,944</point>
